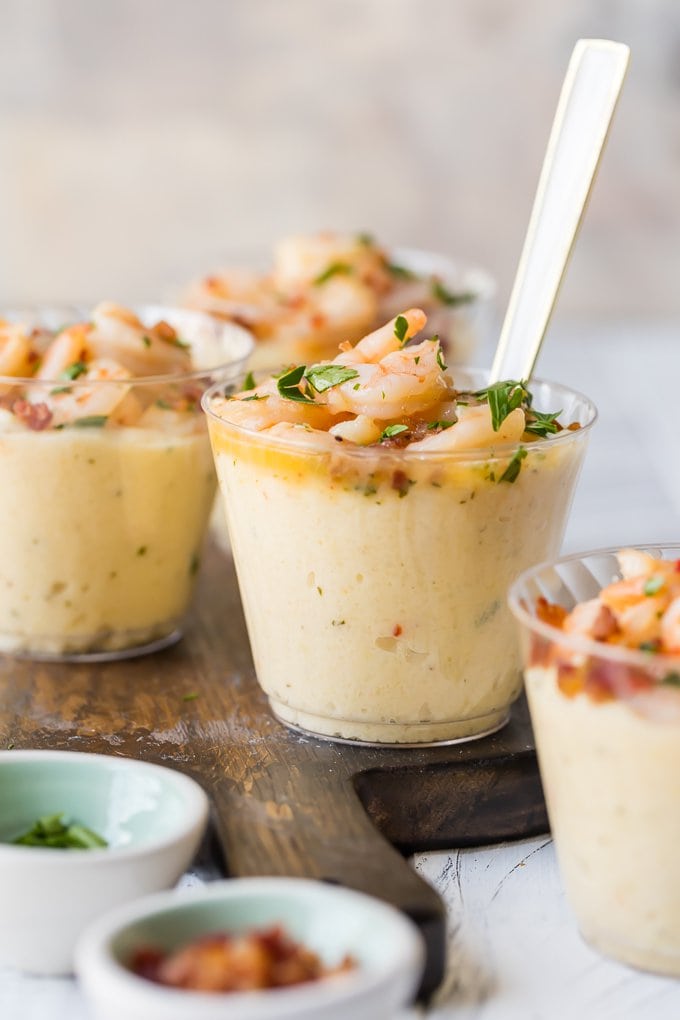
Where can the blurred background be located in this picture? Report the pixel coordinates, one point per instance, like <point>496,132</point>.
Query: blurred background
<point>143,141</point>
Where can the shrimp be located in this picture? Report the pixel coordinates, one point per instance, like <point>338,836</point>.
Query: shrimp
<point>361,430</point>
<point>301,260</point>
<point>474,431</point>
<point>302,435</point>
<point>591,619</point>
<point>119,335</point>
<point>263,407</point>
<point>383,341</point>
<point>69,348</point>
<point>80,400</point>
<point>17,357</point>
<point>670,627</point>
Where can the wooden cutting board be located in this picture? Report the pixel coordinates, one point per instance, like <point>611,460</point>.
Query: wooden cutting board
<point>283,804</point>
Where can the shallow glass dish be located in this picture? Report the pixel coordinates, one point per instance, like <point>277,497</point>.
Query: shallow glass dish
<point>106,490</point>
<point>607,724</point>
<point>374,580</point>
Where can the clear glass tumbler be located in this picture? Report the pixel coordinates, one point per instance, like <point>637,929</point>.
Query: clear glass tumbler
<point>607,724</point>
<point>374,581</point>
<point>102,521</point>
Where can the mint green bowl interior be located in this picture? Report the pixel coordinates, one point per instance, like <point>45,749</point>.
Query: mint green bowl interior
<point>128,804</point>
<point>330,927</point>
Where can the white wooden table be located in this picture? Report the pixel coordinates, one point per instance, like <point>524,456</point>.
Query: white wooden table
<point>514,951</point>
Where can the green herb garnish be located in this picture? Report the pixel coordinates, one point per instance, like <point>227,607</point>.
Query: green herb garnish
<point>90,421</point>
<point>393,430</point>
<point>75,370</point>
<point>324,377</point>
<point>248,383</point>
<point>335,269</point>
<point>163,404</point>
<point>401,329</point>
<point>672,679</point>
<point>401,272</point>
<point>653,585</point>
<point>447,297</point>
<point>146,340</point>
<point>440,425</point>
<point>191,696</point>
<point>57,832</point>
<point>288,385</point>
<point>503,398</point>
<point>440,355</point>
<point>366,239</point>
<point>60,389</point>
<point>512,470</point>
<point>542,424</point>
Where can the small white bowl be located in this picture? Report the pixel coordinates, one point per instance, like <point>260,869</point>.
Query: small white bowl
<point>329,920</point>
<point>152,818</point>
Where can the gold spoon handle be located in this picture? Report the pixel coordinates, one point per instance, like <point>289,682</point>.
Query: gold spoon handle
<point>586,106</point>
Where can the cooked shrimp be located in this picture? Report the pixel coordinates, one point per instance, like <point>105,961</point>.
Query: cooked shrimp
<point>361,430</point>
<point>262,408</point>
<point>383,341</point>
<point>17,357</point>
<point>670,627</point>
<point>301,260</point>
<point>80,400</point>
<point>119,335</point>
<point>474,431</point>
<point>404,383</point>
<point>69,348</point>
<point>591,619</point>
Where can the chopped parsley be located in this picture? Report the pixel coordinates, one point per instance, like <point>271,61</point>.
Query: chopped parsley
<point>335,269</point>
<point>401,329</point>
<point>400,272</point>
<point>542,424</point>
<point>653,585</point>
<point>57,832</point>
<point>142,551</point>
<point>257,396</point>
<point>672,679</point>
<point>503,398</point>
<point>288,385</point>
<point>366,239</point>
<point>447,297</point>
<point>324,377</point>
<point>393,430</point>
<point>248,383</point>
<point>513,469</point>
<point>191,696</point>
<point>146,340</point>
<point>440,425</point>
<point>60,389</point>
<point>90,421</point>
<point>440,355</point>
<point>75,370</point>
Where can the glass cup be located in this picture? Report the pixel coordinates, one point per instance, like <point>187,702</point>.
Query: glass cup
<point>374,581</point>
<point>607,733</point>
<point>102,522</point>
<point>458,299</point>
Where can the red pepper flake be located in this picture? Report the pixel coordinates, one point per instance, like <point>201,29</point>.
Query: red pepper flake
<point>36,416</point>
<point>396,630</point>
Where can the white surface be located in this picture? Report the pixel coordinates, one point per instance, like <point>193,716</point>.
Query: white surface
<point>514,951</point>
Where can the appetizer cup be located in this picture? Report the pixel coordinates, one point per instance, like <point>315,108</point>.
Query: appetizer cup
<point>607,724</point>
<point>325,288</point>
<point>374,579</point>
<point>332,922</point>
<point>107,488</point>
<point>152,819</point>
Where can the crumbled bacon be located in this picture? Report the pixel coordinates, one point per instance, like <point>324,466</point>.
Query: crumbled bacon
<point>222,962</point>
<point>36,416</point>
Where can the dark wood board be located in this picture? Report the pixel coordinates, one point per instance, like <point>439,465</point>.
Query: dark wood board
<point>283,804</point>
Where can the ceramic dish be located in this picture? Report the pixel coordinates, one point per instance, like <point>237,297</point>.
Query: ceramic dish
<point>329,920</point>
<point>151,817</point>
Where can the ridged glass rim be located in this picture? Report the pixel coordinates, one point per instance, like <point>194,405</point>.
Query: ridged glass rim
<point>576,642</point>
<point>475,454</point>
<point>243,337</point>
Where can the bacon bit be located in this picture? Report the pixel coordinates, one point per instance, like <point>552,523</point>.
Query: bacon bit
<point>396,630</point>
<point>222,962</point>
<point>550,612</point>
<point>677,566</point>
<point>574,427</point>
<point>36,416</point>
<point>164,331</point>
